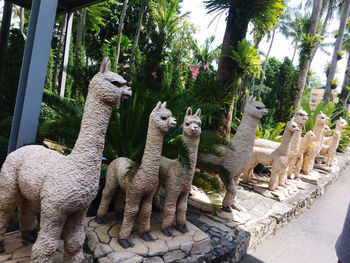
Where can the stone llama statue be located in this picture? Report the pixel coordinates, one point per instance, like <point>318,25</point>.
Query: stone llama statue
<point>176,179</point>
<point>237,159</point>
<point>330,141</point>
<point>306,141</point>
<point>277,158</point>
<point>310,153</point>
<point>144,180</point>
<point>332,149</point>
<point>300,117</point>
<point>62,186</point>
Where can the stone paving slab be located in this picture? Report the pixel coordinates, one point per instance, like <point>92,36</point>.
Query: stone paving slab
<point>102,240</point>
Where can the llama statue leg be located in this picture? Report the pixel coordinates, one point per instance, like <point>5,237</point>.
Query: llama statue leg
<point>145,217</point>
<point>274,178</point>
<point>74,237</point>
<point>156,200</point>
<point>282,178</point>
<point>27,221</point>
<point>107,195</point>
<point>230,195</point>
<point>308,164</point>
<point>291,166</point>
<point>181,212</point>
<point>169,212</point>
<point>49,234</point>
<point>9,197</point>
<point>297,167</point>
<point>246,177</point>
<point>119,199</point>
<point>325,158</point>
<point>133,199</point>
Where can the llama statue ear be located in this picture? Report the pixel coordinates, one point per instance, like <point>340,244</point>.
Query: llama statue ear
<point>159,106</point>
<point>198,113</point>
<point>104,65</point>
<point>164,105</point>
<point>189,111</point>
<point>250,99</point>
<point>108,66</point>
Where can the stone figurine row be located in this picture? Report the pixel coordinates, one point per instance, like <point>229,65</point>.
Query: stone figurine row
<point>64,186</point>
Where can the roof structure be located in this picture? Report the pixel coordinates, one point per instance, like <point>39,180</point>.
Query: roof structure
<point>63,5</point>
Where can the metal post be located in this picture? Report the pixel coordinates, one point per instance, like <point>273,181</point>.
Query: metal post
<point>66,53</point>
<point>5,28</point>
<point>33,73</point>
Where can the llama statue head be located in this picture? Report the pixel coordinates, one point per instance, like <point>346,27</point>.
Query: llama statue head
<point>326,129</point>
<point>310,135</point>
<point>292,126</point>
<point>192,123</point>
<point>300,117</point>
<point>162,118</point>
<point>108,86</point>
<point>341,123</point>
<point>255,108</point>
<point>322,118</point>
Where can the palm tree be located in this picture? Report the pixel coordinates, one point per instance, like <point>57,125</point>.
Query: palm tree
<point>205,54</point>
<point>137,34</point>
<point>265,63</point>
<point>308,44</point>
<point>293,26</point>
<point>120,28</point>
<point>344,95</point>
<point>337,46</point>
<point>262,14</point>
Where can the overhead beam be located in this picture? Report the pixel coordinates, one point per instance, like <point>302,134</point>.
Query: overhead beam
<point>33,73</point>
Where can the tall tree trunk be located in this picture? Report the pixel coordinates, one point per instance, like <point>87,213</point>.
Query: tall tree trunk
<point>120,28</point>
<point>295,50</point>
<point>5,29</point>
<point>304,64</point>
<point>337,46</point>
<point>137,35</point>
<point>324,27</point>
<point>59,55</point>
<point>80,29</point>
<point>21,20</point>
<point>265,64</point>
<point>227,72</point>
<point>346,81</point>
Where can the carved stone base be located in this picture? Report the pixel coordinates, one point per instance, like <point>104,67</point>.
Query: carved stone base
<point>102,240</point>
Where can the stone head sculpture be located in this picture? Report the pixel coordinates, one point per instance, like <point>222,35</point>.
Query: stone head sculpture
<point>300,117</point>
<point>255,108</point>
<point>108,86</point>
<point>192,123</point>
<point>162,118</point>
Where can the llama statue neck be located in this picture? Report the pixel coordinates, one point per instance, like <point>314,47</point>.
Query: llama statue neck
<point>191,135</point>
<point>89,145</point>
<point>154,145</point>
<point>284,148</point>
<point>307,139</point>
<point>246,131</point>
<point>300,117</point>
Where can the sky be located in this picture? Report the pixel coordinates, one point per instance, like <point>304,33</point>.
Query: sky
<point>281,47</point>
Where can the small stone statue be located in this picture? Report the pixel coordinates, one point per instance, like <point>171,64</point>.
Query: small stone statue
<point>236,157</point>
<point>62,186</point>
<point>177,179</point>
<point>144,182</point>
<point>277,158</point>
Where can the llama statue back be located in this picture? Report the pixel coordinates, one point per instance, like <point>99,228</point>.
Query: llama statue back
<point>62,186</point>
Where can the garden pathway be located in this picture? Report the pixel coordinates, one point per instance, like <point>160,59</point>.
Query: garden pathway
<point>312,236</point>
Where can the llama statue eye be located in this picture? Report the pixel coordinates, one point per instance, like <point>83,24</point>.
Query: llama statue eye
<point>187,123</point>
<point>163,118</point>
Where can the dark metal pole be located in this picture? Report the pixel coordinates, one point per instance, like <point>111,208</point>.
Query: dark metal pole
<point>5,29</point>
<point>33,73</point>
